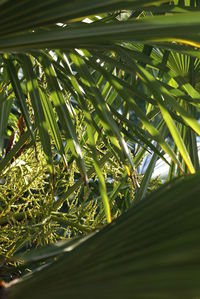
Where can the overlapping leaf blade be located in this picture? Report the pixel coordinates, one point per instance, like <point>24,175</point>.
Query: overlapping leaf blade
<point>151,251</point>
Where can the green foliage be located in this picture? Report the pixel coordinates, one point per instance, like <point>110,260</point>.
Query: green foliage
<point>30,215</point>
<point>100,86</point>
<point>152,251</point>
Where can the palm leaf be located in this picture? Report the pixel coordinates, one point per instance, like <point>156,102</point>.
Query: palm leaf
<point>151,251</point>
